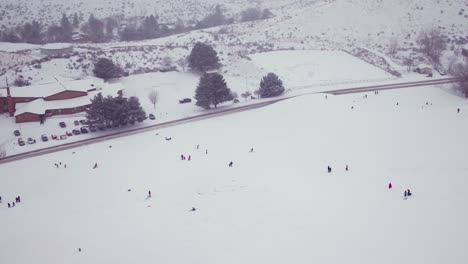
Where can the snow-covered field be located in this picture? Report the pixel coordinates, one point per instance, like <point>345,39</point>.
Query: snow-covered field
<point>317,67</point>
<point>308,71</point>
<point>275,205</point>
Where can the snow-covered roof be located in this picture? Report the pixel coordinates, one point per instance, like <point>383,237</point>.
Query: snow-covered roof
<point>60,85</point>
<point>84,85</point>
<point>36,91</point>
<point>15,47</point>
<point>56,46</point>
<point>40,106</point>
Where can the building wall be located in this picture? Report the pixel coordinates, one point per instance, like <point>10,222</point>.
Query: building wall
<point>65,95</point>
<point>2,105</point>
<point>67,111</point>
<point>28,117</point>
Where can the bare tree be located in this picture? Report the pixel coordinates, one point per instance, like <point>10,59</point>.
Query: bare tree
<point>393,46</point>
<point>432,43</point>
<point>246,94</point>
<point>257,93</point>
<point>2,151</point>
<point>153,96</point>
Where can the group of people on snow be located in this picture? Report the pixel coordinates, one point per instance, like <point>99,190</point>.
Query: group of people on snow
<point>13,204</point>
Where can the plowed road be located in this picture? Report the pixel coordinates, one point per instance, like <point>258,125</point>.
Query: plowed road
<point>215,113</point>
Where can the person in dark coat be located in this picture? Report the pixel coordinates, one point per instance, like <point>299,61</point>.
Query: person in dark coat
<point>406,193</point>
<point>251,150</point>
<point>19,199</point>
<point>230,164</point>
<point>9,205</point>
<point>329,169</point>
<point>409,192</point>
<point>13,204</point>
<point>458,110</point>
<point>193,209</point>
<point>346,167</point>
<point>149,193</point>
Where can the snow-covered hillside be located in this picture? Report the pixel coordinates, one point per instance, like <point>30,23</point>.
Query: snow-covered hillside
<point>14,12</point>
<point>275,205</point>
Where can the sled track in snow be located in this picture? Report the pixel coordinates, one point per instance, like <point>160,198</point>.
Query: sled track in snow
<point>217,113</point>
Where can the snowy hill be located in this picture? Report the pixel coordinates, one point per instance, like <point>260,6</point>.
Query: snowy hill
<point>275,205</point>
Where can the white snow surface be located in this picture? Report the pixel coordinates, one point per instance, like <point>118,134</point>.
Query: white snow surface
<point>299,67</point>
<point>275,205</point>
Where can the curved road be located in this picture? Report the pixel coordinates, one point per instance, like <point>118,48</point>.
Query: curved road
<point>216,114</point>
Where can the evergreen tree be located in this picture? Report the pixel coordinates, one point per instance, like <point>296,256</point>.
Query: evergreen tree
<point>95,115</point>
<point>271,86</point>
<point>117,111</point>
<point>11,36</point>
<point>217,18</point>
<point>31,33</point>
<point>212,89</point>
<point>106,69</point>
<point>150,27</point>
<point>54,33</point>
<point>203,57</point>
<point>75,21</point>
<point>66,29</point>
<point>135,111</point>
<point>95,29</point>
<point>129,33</point>
<point>111,24</point>
<point>267,14</point>
<point>251,14</point>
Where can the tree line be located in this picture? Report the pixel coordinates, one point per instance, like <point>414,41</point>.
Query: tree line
<point>112,28</point>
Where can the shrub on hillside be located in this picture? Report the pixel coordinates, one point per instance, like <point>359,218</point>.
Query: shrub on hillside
<point>106,69</point>
<point>203,57</point>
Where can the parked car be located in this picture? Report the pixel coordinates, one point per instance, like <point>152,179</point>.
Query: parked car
<point>151,116</point>
<point>31,141</point>
<point>441,71</point>
<point>185,100</point>
<point>54,137</point>
<point>83,122</point>
<point>92,128</point>
<point>236,101</point>
<point>62,124</point>
<point>84,130</point>
<point>76,132</point>
<point>21,142</point>
<point>101,127</point>
<point>62,137</point>
<point>17,133</point>
<point>44,138</point>
<point>69,134</point>
<point>76,123</point>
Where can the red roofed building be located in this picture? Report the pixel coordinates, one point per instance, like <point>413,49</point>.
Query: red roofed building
<point>35,103</point>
